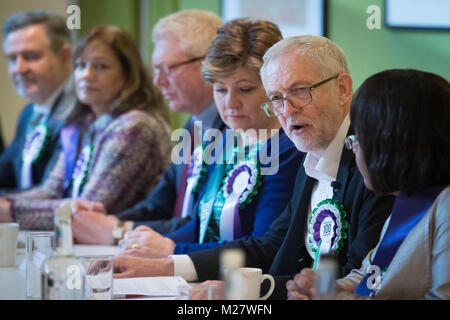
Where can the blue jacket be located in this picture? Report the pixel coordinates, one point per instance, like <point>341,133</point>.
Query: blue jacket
<point>256,218</point>
<point>11,158</point>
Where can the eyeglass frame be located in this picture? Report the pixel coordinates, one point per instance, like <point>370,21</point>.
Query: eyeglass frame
<point>310,88</point>
<point>167,69</point>
<point>350,141</point>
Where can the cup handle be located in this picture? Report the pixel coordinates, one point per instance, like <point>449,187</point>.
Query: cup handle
<point>272,285</point>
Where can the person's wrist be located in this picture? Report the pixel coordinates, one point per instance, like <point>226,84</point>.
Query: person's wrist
<point>5,210</point>
<point>118,231</point>
<point>170,267</point>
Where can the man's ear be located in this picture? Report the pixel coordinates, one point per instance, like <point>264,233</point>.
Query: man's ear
<point>345,84</point>
<point>66,53</point>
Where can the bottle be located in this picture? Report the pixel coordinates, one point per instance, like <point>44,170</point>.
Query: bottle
<point>231,260</point>
<point>325,277</point>
<point>62,275</point>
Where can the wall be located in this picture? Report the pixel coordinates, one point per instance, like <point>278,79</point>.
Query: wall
<point>368,51</point>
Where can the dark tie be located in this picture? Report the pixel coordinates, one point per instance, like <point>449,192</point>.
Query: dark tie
<point>183,183</point>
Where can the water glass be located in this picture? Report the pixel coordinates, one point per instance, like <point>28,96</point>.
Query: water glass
<point>39,247</point>
<point>99,276</point>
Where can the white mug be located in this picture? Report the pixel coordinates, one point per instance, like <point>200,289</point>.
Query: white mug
<point>251,280</point>
<point>8,244</point>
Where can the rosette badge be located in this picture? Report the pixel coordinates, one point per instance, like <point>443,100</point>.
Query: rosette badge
<point>36,143</point>
<point>241,185</point>
<point>327,227</point>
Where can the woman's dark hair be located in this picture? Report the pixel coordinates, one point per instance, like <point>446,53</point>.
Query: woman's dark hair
<point>402,121</point>
<point>138,92</point>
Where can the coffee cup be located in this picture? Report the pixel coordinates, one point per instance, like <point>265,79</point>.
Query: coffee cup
<point>251,280</point>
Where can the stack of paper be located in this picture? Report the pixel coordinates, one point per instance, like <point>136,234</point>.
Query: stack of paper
<point>162,287</point>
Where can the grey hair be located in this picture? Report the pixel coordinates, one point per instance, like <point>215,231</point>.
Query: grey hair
<point>324,54</point>
<point>194,29</point>
<point>55,26</point>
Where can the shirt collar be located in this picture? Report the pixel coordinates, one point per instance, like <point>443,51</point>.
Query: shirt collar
<point>326,167</point>
<point>48,104</point>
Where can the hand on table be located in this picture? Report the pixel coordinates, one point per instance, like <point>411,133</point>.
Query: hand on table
<point>85,205</point>
<point>145,242</point>
<point>302,286</point>
<point>92,227</point>
<point>5,210</point>
<point>127,266</point>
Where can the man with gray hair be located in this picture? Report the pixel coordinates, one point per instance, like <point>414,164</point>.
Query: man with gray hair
<point>36,44</point>
<point>310,89</point>
<point>181,43</point>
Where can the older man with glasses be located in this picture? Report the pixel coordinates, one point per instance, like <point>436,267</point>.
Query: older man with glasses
<point>307,80</point>
<point>181,42</point>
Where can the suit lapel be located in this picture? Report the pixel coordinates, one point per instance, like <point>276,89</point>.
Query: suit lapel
<point>344,175</point>
<point>292,255</point>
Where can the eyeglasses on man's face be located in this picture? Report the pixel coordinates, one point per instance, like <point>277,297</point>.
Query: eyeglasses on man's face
<point>351,142</point>
<point>298,98</point>
<point>168,69</point>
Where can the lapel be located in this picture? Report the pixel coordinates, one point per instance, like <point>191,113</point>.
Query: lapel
<point>292,255</point>
<point>344,174</point>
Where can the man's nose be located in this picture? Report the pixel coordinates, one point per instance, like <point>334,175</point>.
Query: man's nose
<point>159,79</point>
<point>21,65</point>
<point>288,108</point>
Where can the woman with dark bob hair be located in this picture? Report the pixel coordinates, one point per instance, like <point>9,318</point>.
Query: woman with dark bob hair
<point>402,146</point>
<point>116,141</point>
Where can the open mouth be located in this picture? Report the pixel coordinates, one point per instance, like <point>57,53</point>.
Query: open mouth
<point>297,127</point>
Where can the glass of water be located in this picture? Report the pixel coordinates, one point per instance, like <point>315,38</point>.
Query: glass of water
<point>99,276</point>
<point>39,247</point>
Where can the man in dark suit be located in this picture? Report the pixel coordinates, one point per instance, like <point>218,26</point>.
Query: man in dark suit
<point>307,80</point>
<point>39,61</point>
<point>177,56</point>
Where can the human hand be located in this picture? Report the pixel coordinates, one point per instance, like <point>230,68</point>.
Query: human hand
<point>92,227</point>
<point>302,286</point>
<point>127,266</point>
<point>86,205</point>
<point>208,290</point>
<point>145,242</point>
<point>5,210</point>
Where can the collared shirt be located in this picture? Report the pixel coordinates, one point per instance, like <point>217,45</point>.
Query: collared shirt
<point>324,170</point>
<point>41,112</point>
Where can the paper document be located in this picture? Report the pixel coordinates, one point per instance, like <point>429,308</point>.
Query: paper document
<point>151,286</point>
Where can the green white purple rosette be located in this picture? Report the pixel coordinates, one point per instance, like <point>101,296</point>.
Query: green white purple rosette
<point>327,227</point>
<point>239,187</point>
<point>35,145</point>
<point>254,182</point>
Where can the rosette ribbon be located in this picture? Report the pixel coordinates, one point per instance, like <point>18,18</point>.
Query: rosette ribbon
<point>238,188</point>
<point>35,145</point>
